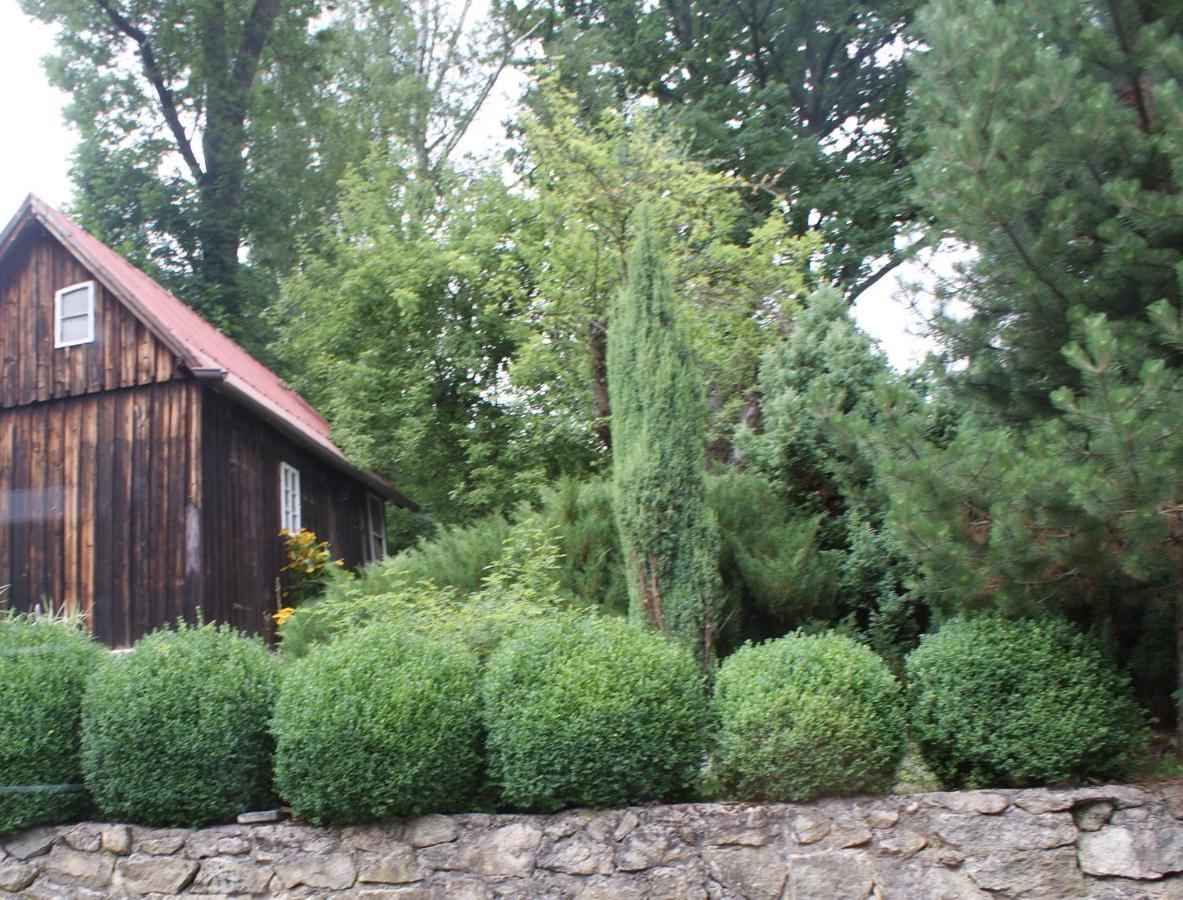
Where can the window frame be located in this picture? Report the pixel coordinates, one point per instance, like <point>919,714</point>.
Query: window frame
<point>58,343</point>
<point>289,490</point>
<point>375,532</point>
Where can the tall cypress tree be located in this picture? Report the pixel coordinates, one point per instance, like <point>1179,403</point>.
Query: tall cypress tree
<point>668,536</point>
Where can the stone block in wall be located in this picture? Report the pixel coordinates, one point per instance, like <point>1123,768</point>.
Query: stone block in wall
<point>157,874</point>
<point>1137,850</point>
<point>77,867</point>
<point>231,876</point>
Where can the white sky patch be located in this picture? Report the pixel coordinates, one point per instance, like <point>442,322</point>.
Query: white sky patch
<point>35,144</point>
<point>894,314</point>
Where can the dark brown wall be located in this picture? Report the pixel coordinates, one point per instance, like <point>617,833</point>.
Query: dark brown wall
<point>129,490</point>
<point>242,549</point>
<point>99,507</point>
<point>124,353</point>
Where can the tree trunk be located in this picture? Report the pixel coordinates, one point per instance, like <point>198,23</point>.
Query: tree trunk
<point>219,227</point>
<point>597,341</point>
<point>1179,663</point>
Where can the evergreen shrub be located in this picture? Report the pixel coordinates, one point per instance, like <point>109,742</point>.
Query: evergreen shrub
<point>806,716</point>
<point>593,711</point>
<point>44,665</point>
<point>174,733</point>
<point>997,702</point>
<point>379,723</point>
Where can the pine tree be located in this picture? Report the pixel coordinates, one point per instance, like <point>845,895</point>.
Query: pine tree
<point>1080,516</point>
<point>668,536</point>
<point>1053,134</point>
<point>828,368</point>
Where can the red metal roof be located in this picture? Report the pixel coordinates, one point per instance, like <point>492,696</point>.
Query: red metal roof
<point>201,347</point>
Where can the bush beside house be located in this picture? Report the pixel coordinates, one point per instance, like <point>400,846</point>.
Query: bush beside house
<point>379,723</point>
<point>44,665</point>
<point>175,732</point>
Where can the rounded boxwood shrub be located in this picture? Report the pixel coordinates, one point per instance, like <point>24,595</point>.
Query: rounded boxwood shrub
<point>805,716</point>
<point>378,723</point>
<point>591,711</point>
<point>996,702</point>
<point>175,732</point>
<point>44,665</point>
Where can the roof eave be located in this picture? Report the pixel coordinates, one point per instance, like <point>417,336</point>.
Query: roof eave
<point>372,480</point>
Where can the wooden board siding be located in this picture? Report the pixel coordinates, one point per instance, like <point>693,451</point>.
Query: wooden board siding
<point>242,549</point>
<point>95,494</point>
<point>123,354</point>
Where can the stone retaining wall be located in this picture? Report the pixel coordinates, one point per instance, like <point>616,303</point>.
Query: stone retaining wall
<point>1105,842</point>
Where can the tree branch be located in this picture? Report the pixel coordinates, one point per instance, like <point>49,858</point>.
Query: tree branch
<point>250,48</point>
<point>168,106</point>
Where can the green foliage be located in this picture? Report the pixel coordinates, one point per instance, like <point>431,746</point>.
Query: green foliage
<point>668,538</point>
<point>175,731</point>
<point>1074,517</point>
<point>591,711</point>
<point>208,128</point>
<point>408,393</point>
<point>164,121</point>
<point>379,723</point>
<point>44,665</point>
<point>774,575</point>
<point>517,589</point>
<point>589,173</point>
<point>580,517</point>
<point>995,702</point>
<point>806,716</point>
<point>456,556</point>
<point>1053,134</point>
<point>827,370</point>
<point>769,92</point>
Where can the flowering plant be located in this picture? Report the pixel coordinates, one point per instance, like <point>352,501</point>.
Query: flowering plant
<point>306,574</point>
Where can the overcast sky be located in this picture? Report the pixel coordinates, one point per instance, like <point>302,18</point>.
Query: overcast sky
<point>35,152</point>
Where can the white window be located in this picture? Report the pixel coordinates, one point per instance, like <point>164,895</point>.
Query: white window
<point>376,526</point>
<point>73,315</point>
<point>289,498</point>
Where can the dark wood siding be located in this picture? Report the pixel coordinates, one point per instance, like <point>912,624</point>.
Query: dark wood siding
<point>100,505</point>
<point>123,354</point>
<point>243,551</point>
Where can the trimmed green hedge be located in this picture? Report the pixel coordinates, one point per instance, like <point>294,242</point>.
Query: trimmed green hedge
<point>593,711</point>
<point>44,665</point>
<point>379,723</point>
<point>175,732</point>
<point>806,716</point>
<point>996,702</point>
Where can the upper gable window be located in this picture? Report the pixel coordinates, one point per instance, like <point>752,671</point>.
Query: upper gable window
<point>73,315</point>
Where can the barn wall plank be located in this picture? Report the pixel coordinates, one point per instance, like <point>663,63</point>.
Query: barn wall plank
<point>89,489</point>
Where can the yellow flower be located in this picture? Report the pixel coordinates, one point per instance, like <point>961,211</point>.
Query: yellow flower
<point>283,615</point>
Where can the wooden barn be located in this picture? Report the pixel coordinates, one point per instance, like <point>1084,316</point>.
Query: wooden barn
<point>147,462</point>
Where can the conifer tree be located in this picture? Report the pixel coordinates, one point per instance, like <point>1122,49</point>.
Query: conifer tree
<point>1081,515</point>
<point>668,536</point>
<point>1053,135</point>
<point>827,367</point>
